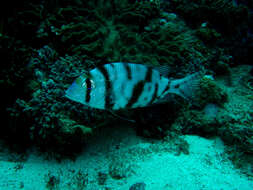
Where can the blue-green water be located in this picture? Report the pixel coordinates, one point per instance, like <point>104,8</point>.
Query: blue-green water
<point>198,137</point>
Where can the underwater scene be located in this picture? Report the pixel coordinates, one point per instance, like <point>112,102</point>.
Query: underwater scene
<point>126,95</point>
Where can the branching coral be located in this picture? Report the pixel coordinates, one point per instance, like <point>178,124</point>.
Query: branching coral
<point>122,31</point>
<point>46,114</point>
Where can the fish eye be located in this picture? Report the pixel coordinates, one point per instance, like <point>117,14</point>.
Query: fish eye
<point>88,84</point>
<point>92,84</point>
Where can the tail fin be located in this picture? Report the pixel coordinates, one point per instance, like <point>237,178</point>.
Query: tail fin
<point>188,86</point>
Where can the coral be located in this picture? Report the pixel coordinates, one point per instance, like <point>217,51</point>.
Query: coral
<point>69,126</point>
<point>207,34</point>
<point>228,19</point>
<point>122,31</point>
<point>234,130</point>
<point>240,160</point>
<point>45,114</point>
<point>226,16</point>
<point>237,129</point>
<point>195,122</point>
<point>232,121</point>
<point>210,92</point>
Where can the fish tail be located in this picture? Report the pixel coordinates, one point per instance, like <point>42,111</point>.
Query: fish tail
<point>188,86</point>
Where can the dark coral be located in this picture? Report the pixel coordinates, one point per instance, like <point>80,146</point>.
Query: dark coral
<point>226,16</point>
<point>46,115</point>
<point>231,19</point>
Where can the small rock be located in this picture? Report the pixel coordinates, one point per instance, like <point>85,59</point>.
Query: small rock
<point>138,186</point>
<point>102,177</point>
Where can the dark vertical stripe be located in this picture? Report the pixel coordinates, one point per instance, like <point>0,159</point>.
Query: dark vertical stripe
<point>88,90</point>
<point>138,88</point>
<point>128,70</point>
<point>108,87</point>
<point>154,96</point>
<point>166,89</point>
<point>112,64</point>
<point>148,77</point>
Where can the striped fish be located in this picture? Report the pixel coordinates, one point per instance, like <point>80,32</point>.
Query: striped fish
<point>117,86</point>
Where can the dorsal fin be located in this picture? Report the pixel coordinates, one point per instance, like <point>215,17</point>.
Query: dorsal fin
<point>164,70</point>
<point>84,73</point>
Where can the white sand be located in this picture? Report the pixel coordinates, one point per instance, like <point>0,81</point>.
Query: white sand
<point>205,168</point>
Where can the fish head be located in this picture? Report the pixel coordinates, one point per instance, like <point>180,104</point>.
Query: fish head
<point>79,89</point>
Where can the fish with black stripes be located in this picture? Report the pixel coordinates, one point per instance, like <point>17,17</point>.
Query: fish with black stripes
<point>116,86</point>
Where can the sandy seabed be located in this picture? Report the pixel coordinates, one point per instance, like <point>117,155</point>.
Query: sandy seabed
<point>149,162</point>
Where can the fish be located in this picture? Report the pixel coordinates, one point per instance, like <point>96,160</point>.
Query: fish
<point>117,86</point>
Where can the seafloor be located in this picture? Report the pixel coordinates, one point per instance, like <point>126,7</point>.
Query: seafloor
<point>155,163</point>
